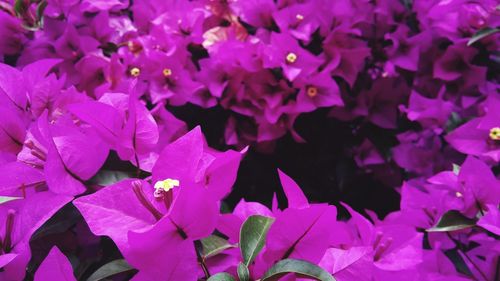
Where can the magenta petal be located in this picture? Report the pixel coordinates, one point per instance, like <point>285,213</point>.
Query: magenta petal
<point>222,173</point>
<point>140,134</point>
<point>352,264</point>
<point>30,214</point>
<point>82,152</point>
<point>55,267</point>
<point>36,71</point>
<point>58,178</point>
<point>295,196</point>
<point>17,174</point>
<point>491,220</point>
<point>469,139</point>
<point>405,256</point>
<point>6,259</point>
<point>12,87</point>
<point>161,254</point>
<point>478,177</point>
<point>104,118</point>
<point>180,159</point>
<point>301,233</point>
<point>195,211</point>
<point>115,210</point>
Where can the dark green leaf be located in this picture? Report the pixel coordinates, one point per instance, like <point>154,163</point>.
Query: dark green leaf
<point>221,277</point>
<point>453,122</point>
<point>108,177</point>
<point>482,34</point>
<point>253,236</point>
<point>213,245</point>
<point>110,269</point>
<point>451,221</point>
<point>302,268</point>
<point>60,222</point>
<point>19,7</point>
<point>407,3</point>
<point>243,273</point>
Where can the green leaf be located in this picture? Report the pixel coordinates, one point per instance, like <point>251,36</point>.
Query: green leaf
<point>243,273</point>
<point>451,221</point>
<point>480,34</point>
<point>110,269</point>
<point>19,7</point>
<point>5,199</point>
<point>253,236</point>
<point>302,268</point>
<point>213,245</point>
<point>453,122</point>
<point>221,277</point>
<point>108,177</point>
<point>60,222</point>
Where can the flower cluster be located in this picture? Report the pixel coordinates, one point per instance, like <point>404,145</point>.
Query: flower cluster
<point>94,154</point>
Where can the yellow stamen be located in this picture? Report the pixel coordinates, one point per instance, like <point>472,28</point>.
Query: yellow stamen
<point>291,57</point>
<point>495,133</point>
<point>312,91</point>
<point>135,72</point>
<point>165,186</point>
<point>299,17</point>
<point>167,72</point>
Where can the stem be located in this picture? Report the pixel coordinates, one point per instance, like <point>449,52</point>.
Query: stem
<point>198,248</point>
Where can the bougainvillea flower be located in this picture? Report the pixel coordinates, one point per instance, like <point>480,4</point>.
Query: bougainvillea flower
<point>431,113</point>
<point>378,104</point>
<point>456,63</point>
<point>317,90</point>
<point>404,51</point>
<point>296,232</point>
<point>456,19</point>
<point>19,219</point>
<point>478,136</point>
<point>491,220</point>
<point>350,264</point>
<point>192,216</point>
<point>11,32</point>
<point>190,161</point>
<point>299,19</point>
<point>96,6</point>
<point>170,78</point>
<point>106,213</point>
<point>257,13</point>
<point>285,52</point>
<point>469,191</point>
<point>418,152</point>
<point>387,240</point>
<point>12,90</point>
<point>478,183</point>
<point>295,196</point>
<point>74,154</point>
<point>345,54</point>
<point>139,134</point>
<point>55,267</point>
<point>19,178</point>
